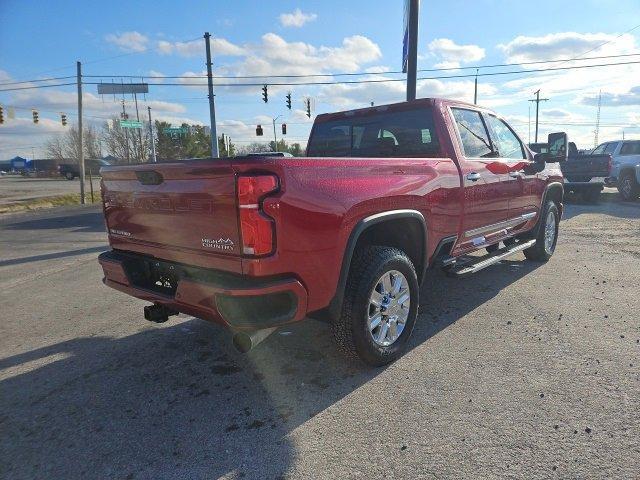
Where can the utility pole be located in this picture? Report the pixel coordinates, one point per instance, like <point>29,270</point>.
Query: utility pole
<point>153,143</point>
<point>475,89</point>
<point>212,107</point>
<point>537,100</point>
<point>412,52</point>
<point>274,133</point>
<point>80,131</point>
<point>135,98</point>
<point>126,132</point>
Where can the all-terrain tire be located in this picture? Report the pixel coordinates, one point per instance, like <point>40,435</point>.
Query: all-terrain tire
<point>628,186</point>
<point>542,251</point>
<point>351,329</point>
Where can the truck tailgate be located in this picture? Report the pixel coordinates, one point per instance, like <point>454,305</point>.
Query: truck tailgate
<point>583,168</point>
<point>177,210</point>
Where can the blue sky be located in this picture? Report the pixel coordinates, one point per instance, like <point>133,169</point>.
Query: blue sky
<point>42,39</point>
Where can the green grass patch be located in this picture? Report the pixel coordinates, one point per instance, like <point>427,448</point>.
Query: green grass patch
<point>47,202</point>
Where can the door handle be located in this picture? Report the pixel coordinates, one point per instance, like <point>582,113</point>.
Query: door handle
<point>515,174</point>
<point>473,176</point>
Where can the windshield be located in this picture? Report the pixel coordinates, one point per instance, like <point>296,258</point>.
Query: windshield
<point>408,133</point>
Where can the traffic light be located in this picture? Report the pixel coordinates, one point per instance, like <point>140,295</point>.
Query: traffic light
<point>1,115</point>
<point>259,130</point>
<point>289,100</point>
<point>63,119</point>
<point>284,128</point>
<point>308,101</point>
<point>265,95</point>
<point>35,116</point>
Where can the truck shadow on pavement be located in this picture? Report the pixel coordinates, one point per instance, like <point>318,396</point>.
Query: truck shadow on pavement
<point>177,402</point>
<point>609,203</point>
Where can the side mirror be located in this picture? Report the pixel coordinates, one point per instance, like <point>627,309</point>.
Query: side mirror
<point>558,148</point>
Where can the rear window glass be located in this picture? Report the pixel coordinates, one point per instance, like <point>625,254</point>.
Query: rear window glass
<point>630,148</point>
<point>408,133</point>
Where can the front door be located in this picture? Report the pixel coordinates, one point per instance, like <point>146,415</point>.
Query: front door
<point>524,189</point>
<point>486,202</point>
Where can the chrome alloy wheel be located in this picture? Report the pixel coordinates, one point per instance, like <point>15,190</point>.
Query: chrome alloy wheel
<point>626,187</point>
<point>389,304</point>
<point>550,233</point>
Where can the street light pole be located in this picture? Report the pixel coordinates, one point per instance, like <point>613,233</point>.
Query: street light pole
<point>412,51</point>
<point>80,132</point>
<point>274,133</point>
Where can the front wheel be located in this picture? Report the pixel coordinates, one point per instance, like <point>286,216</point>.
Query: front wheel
<point>380,306</point>
<point>547,236</point>
<point>69,176</point>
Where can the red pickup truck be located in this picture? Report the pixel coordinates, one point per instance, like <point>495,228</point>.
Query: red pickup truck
<point>345,234</point>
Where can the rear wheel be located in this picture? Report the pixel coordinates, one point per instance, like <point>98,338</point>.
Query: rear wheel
<point>547,236</point>
<point>69,176</point>
<point>628,187</point>
<point>380,306</point>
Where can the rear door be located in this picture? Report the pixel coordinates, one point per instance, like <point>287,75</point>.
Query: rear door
<point>486,201</point>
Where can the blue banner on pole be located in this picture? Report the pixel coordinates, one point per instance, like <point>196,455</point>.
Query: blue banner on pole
<point>405,38</point>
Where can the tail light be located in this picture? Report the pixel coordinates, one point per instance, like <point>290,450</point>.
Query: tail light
<point>256,228</point>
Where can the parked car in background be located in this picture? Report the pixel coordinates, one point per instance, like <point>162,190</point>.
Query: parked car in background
<point>269,154</point>
<point>72,170</point>
<point>344,234</point>
<point>625,167</point>
<point>583,173</point>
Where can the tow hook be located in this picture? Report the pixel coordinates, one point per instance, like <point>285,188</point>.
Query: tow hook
<point>245,341</point>
<point>158,313</point>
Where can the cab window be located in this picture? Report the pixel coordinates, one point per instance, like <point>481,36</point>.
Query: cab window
<point>630,148</point>
<point>504,140</point>
<point>610,148</point>
<point>599,150</point>
<point>473,134</point>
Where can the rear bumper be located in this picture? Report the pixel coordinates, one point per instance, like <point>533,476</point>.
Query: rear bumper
<point>232,300</point>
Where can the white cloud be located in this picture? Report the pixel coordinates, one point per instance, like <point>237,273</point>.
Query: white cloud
<point>128,41</point>
<point>447,64</point>
<point>219,47</point>
<point>609,99</point>
<point>450,51</point>
<point>562,45</point>
<point>296,18</point>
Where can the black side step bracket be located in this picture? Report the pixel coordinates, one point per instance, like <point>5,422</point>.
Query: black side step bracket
<point>464,268</point>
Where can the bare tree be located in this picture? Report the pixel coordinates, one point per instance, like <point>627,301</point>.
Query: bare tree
<point>65,147</point>
<point>128,145</point>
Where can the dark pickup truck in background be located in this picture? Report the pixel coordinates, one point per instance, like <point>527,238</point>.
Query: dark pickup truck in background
<point>583,173</point>
<point>72,170</point>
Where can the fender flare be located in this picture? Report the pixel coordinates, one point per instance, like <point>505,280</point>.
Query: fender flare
<point>548,188</point>
<point>335,305</point>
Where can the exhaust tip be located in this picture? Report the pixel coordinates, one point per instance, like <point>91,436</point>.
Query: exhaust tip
<point>242,342</point>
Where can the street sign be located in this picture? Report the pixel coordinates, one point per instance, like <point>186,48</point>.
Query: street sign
<point>175,130</point>
<point>122,88</point>
<point>130,124</point>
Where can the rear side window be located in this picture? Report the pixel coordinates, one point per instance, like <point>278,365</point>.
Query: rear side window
<point>610,147</point>
<point>473,134</point>
<point>630,148</point>
<point>409,133</point>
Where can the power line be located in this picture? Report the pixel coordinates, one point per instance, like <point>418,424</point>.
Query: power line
<point>316,75</point>
<point>388,80</point>
<point>38,80</point>
<point>36,86</point>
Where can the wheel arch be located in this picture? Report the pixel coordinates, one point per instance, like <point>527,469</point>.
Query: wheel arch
<point>393,228</point>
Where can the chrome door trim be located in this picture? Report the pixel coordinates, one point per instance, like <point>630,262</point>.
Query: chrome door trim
<point>500,225</point>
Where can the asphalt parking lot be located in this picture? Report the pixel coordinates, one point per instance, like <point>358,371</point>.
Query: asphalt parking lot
<point>521,371</point>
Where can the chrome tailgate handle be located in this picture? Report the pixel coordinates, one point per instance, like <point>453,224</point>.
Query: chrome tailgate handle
<point>473,176</point>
